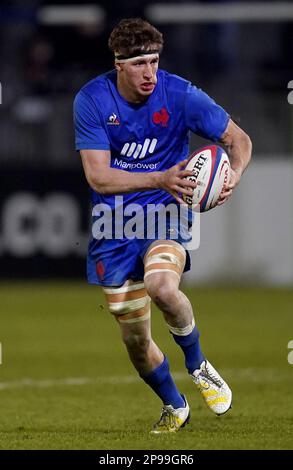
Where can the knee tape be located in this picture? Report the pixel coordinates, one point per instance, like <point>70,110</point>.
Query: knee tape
<point>165,258</point>
<point>129,304</point>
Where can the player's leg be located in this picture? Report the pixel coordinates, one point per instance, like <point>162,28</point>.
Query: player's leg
<point>131,306</point>
<point>164,263</point>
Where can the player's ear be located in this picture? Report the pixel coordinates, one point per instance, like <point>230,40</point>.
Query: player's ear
<point>118,67</point>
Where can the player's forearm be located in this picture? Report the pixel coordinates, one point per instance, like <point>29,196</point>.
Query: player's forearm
<point>240,153</point>
<point>238,145</point>
<point>113,181</point>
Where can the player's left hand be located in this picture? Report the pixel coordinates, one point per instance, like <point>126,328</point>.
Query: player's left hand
<point>235,177</point>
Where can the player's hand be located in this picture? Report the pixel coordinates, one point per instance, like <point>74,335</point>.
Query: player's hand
<point>173,181</point>
<point>227,190</point>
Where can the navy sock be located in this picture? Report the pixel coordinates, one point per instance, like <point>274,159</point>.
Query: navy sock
<point>191,349</point>
<point>162,383</point>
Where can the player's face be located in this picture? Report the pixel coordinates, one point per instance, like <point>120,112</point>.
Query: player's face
<point>138,79</point>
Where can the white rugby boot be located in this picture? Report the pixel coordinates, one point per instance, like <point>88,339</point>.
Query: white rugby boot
<point>214,390</point>
<point>172,419</point>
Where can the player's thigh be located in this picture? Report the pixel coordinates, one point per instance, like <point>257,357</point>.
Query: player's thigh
<point>129,304</point>
<point>164,263</point>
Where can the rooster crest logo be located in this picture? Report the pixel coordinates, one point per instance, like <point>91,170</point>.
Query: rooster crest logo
<point>161,117</point>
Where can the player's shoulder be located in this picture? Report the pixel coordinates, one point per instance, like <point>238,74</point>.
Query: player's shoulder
<point>97,87</point>
<point>173,83</point>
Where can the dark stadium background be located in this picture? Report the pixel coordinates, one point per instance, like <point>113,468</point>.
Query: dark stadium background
<point>246,66</point>
<point>52,326</point>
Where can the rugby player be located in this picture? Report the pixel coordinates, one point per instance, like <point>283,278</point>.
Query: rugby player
<point>132,129</point>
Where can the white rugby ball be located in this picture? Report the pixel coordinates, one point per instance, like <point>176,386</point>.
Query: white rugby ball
<point>211,170</point>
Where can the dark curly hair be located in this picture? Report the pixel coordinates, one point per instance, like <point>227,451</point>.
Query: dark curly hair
<point>131,35</point>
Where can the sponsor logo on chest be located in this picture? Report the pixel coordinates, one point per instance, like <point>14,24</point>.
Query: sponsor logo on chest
<point>135,150</point>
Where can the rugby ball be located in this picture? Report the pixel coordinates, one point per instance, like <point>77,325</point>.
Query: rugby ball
<point>211,170</point>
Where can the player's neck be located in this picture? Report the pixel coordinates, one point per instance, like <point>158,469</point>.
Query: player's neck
<point>129,94</point>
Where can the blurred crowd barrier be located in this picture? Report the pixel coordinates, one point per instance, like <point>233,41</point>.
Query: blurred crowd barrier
<point>45,226</point>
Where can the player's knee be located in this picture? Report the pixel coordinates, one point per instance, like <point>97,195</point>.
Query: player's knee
<point>163,295</point>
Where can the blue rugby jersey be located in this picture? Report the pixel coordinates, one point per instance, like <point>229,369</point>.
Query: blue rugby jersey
<point>152,136</point>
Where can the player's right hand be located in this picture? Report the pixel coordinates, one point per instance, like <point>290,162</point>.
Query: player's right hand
<point>235,176</point>
<point>174,181</point>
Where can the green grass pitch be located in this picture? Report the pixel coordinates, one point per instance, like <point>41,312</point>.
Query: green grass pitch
<point>66,382</point>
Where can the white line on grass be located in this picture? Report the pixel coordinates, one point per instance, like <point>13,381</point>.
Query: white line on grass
<point>257,375</point>
<point>47,383</point>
